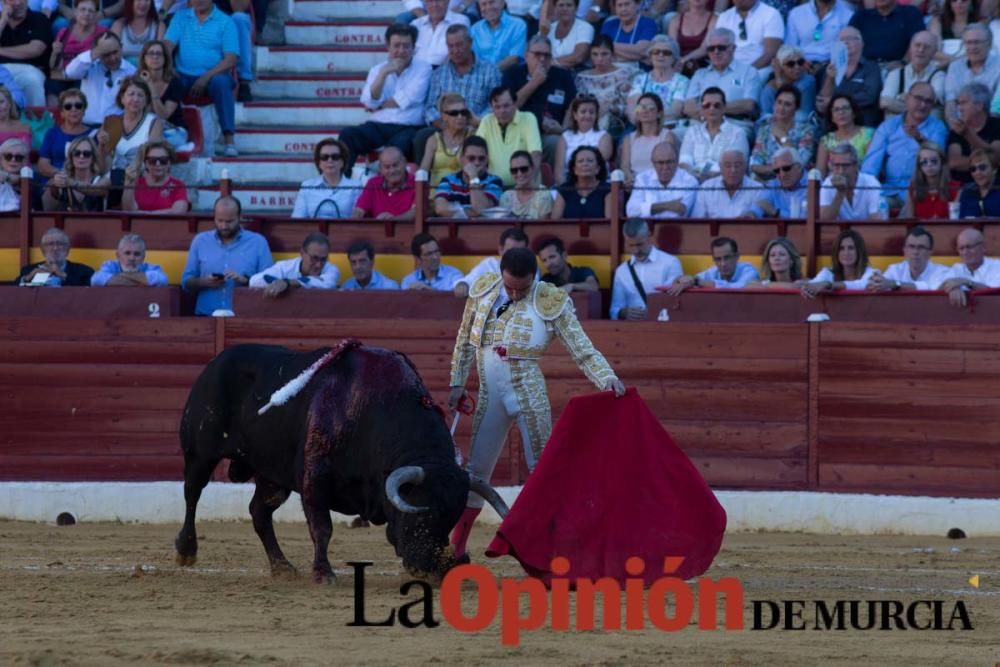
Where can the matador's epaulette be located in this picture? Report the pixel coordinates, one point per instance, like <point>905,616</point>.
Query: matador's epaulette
<point>550,300</point>
<point>484,284</point>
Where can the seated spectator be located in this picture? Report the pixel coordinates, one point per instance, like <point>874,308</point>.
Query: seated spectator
<point>10,125</point>
<point>506,131</point>
<point>220,260</point>
<point>887,30</point>
<point>931,188</point>
<point>921,68</point>
<point>311,270</point>
<point>107,11</point>
<point>570,35</point>
<point>916,272</point>
<point>442,149</point>
<point>14,153</point>
<point>130,268</point>
<point>647,268</point>
<point>780,266</point>
<point>121,137</point>
<point>561,273</point>
<point>975,271</point>
<point>759,29</point>
<point>391,195</point>
<point>70,42</point>
<point>239,12</point>
<point>98,67</point>
<point>782,130</point>
<point>512,237</point>
<point>414,9</point>
<point>586,194</point>
<point>663,80</point>
<point>955,17</point>
<point>138,25</point>
<point>636,150</point>
<point>430,273</point>
<point>733,194</point>
<point>785,195</point>
<point>52,155</point>
<point>630,32</point>
<point>690,28</point>
<point>60,271</point>
<point>528,11</point>
<point>25,40</point>
<point>209,50</point>
<point>728,273</point>
<point>361,257</point>
<point>498,38</point>
<point>8,82</point>
<point>704,143</point>
<point>844,121</point>
<point>431,29</point>
<point>156,69</point>
<point>526,199</point>
<point>981,197</point>
<point>663,191</point>
<point>149,187</point>
<point>790,69</point>
<point>849,267</point>
<point>894,147</point>
<point>542,90</point>
<point>980,65</point>
<point>861,80</point>
<point>739,82</point>
<point>331,195</point>
<point>815,27</point>
<point>583,131</point>
<point>608,83</point>
<point>973,128</point>
<point>82,184</point>
<point>467,193</point>
<point>848,194</point>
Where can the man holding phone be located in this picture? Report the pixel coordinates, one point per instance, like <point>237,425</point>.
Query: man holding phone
<point>220,260</point>
<point>56,270</point>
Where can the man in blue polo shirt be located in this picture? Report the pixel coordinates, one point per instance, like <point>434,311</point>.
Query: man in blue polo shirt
<point>430,273</point>
<point>220,260</point>
<point>887,30</point>
<point>209,49</point>
<point>361,257</point>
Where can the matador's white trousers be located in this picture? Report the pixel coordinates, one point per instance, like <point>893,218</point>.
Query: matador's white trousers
<point>509,390</point>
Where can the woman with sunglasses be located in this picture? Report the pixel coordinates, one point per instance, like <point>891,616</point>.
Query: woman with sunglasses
<point>690,28</point>
<point>790,67</point>
<point>82,185</point>
<point>157,70</point>
<point>782,131</point>
<point>587,194</point>
<point>10,125</point>
<point>844,119</point>
<point>52,154</point>
<point>849,267</point>
<point>931,187</point>
<point>13,156</point>
<point>149,187</point>
<point>608,82</point>
<point>525,199</point>
<point>662,80</point>
<point>981,197</point>
<point>331,194</point>
<point>442,150</point>
<point>139,25</point>
<point>583,132</point>
<point>636,151</point>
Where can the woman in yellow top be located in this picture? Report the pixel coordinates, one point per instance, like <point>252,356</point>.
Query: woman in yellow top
<point>442,149</point>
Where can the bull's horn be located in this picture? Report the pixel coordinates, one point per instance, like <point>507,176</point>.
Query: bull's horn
<point>399,477</point>
<point>489,494</point>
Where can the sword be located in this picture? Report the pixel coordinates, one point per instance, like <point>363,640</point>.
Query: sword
<point>454,426</point>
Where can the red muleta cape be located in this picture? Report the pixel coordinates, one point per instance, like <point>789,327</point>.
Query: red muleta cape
<point>611,484</point>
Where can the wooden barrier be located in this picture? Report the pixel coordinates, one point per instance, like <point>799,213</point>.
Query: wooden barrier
<point>90,302</point>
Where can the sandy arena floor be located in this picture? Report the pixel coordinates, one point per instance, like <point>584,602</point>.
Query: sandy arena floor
<point>73,595</point>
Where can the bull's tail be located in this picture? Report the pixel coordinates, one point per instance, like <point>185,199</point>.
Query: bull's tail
<point>298,383</point>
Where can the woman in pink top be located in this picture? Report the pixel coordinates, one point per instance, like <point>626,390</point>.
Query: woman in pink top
<point>68,44</point>
<point>10,126</point>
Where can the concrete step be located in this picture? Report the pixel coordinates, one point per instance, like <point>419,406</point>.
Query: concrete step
<point>345,9</point>
<point>290,141</point>
<point>262,168</point>
<point>317,59</point>
<point>300,112</point>
<point>254,198</point>
<point>308,86</point>
<point>340,33</point>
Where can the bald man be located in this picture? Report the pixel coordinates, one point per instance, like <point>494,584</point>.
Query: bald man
<point>975,271</point>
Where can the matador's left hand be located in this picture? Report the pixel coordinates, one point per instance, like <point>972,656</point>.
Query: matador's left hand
<point>616,386</point>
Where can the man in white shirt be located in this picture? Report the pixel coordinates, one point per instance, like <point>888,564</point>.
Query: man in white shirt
<point>663,191</point>
<point>511,237</point>
<point>921,67</point>
<point>431,27</point>
<point>394,93</point>
<point>815,26</point>
<point>739,81</point>
<point>847,193</point>
<point>647,269</point>
<point>759,31</point>
<point>917,272</point>
<point>704,142</point>
<point>979,64</point>
<point>728,273</point>
<point>101,69</point>
<point>731,195</point>
<point>310,270</point>
<point>975,271</point>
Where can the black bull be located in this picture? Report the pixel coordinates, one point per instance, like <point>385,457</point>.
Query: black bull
<point>362,437</point>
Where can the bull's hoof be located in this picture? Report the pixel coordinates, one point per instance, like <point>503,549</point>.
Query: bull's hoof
<point>283,570</point>
<point>186,560</point>
<point>323,575</point>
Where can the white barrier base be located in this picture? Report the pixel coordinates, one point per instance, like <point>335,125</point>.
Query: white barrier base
<point>788,511</point>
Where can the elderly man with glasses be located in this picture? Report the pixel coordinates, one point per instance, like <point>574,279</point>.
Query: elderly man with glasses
<point>739,81</point>
<point>14,154</point>
<point>847,194</point>
<point>310,270</point>
<point>975,271</point>
<point>759,31</point>
<point>665,191</point>
<point>101,69</point>
<point>785,195</point>
<point>56,270</point>
<point>979,64</point>
<point>972,129</point>
<point>920,68</point>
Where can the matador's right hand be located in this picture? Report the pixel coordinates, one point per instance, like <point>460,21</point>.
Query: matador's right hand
<point>456,397</point>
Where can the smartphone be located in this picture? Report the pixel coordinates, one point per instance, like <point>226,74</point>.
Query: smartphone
<point>220,276</point>
<point>40,278</point>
